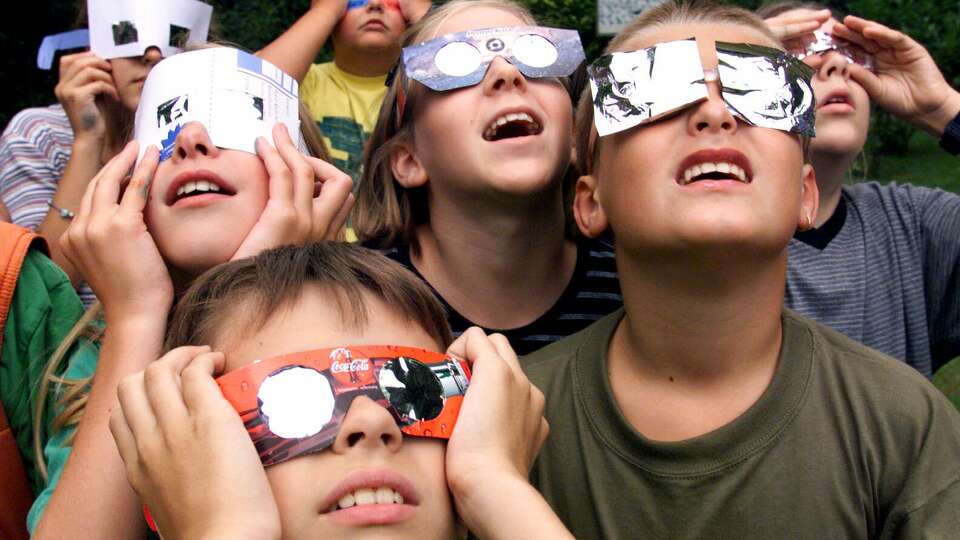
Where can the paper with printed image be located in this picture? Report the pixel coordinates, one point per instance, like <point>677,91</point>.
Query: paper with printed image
<point>235,95</point>
<point>125,28</point>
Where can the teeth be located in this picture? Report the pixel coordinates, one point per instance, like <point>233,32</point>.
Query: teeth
<point>721,167</point>
<point>506,119</point>
<point>364,496</point>
<point>200,185</point>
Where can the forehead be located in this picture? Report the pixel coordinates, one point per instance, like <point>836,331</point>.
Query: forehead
<point>706,33</point>
<point>315,321</point>
<point>477,17</point>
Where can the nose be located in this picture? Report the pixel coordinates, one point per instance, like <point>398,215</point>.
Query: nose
<point>375,5</point>
<point>367,426</point>
<point>193,141</point>
<point>833,64</point>
<point>712,115</point>
<point>151,56</point>
<point>502,75</point>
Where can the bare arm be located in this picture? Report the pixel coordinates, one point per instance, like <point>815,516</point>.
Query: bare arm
<point>295,49</point>
<point>4,213</point>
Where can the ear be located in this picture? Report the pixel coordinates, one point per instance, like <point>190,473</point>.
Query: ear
<point>407,168</point>
<point>809,198</point>
<point>589,215</point>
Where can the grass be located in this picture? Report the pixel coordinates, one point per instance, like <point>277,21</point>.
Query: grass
<point>925,164</point>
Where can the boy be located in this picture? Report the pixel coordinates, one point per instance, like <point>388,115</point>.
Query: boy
<point>704,409</point>
<point>344,95</point>
<point>191,459</point>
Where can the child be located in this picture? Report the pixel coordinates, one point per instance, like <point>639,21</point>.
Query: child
<point>476,206</point>
<point>203,206</point>
<point>48,155</point>
<point>344,95</point>
<point>880,266</point>
<point>704,409</point>
<point>191,460</point>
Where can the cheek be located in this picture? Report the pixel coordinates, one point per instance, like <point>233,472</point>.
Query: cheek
<point>297,488</point>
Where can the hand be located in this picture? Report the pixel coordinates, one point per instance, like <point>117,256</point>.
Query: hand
<point>337,6</point>
<point>187,453</point>
<point>797,22</point>
<point>907,81</point>
<point>501,426</point>
<point>109,244</point>
<point>83,77</point>
<point>413,10</point>
<point>296,212</point>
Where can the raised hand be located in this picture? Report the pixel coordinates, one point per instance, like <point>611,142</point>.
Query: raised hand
<point>187,453</point>
<point>309,199</point>
<point>83,77</point>
<point>797,22</point>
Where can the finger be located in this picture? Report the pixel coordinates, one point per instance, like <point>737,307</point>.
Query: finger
<point>334,195</point>
<point>889,38</point>
<point>88,75</point>
<point>123,437</point>
<point>791,30</point>
<point>107,190</point>
<point>855,37</point>
<point>69,71</point>
<point>505,351</point>
<point>280,187</point>
<point>132,395</point>
<point>97,88</point>
<point>340,220</point>
<point>303,174</point>
<point>200,389</point>
<point>162,383</point>
<point>136,195</point>
<point>868,80</point>
<point>475,347</point>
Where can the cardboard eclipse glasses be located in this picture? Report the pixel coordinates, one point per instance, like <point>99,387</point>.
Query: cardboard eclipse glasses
<point>762,86</point>
<point>295,404</point>
<point>461,60</point>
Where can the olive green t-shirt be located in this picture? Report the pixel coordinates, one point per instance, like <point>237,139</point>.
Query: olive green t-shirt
<point>844,443</point>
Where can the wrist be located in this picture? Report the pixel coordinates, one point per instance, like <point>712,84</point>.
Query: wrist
<point>86,141</point>
<point>936,122</point>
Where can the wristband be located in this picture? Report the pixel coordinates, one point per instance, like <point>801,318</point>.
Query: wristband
<point>950,140</point>
<point>62,212</point>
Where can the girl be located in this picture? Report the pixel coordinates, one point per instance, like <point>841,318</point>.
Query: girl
<point>466,186</point>
<point>880,266</point>
<point>48,155</point>
<point>138,254</point>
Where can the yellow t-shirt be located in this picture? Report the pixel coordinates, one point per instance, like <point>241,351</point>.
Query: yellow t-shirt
<point>345,108</point>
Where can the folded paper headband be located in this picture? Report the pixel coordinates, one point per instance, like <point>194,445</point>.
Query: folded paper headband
<point>820,42</point>
<point>764,87</point>
<point>295,404</point>
<point>235,95</point>
<point>127,28</point>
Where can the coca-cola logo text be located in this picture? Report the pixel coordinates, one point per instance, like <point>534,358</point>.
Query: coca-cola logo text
<point>353,366</point>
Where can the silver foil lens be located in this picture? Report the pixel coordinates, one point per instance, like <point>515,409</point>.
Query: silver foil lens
<point>535,51</point>
<point>457,59</point>
<point>296,402</point>
<point>412,389</point>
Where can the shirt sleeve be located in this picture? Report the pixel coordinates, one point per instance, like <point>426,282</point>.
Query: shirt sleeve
<point>28,175</point>
<point>57,450</point>
<point>939,217</point>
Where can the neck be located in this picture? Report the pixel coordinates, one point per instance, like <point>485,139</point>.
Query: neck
<point>702,321</point>
<point>499,265</point>
<point>831,169</point>
<point>364,64</point>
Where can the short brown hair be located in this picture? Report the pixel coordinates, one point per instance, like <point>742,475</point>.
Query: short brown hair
<point>772,9</point>
<point>386,213</point>
<point>672,12</point>
<point>277,277</point>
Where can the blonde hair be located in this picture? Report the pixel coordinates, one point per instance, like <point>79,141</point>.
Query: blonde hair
<point>668,13</point>
<point>386,213</point>
<point>72,393</point>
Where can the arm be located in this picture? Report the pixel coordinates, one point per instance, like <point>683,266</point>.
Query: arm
<point>907,81</point>
<point>83,77</point>
<point>498,434</point>
<point>4,214</point>
<point>109,242</point>
<point>295,49</point>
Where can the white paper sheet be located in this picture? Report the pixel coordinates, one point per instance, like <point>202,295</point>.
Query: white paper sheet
<point>236,95</point>
<point>124,28</point>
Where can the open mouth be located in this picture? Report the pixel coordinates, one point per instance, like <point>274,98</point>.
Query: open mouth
<point>196,184</point>
<point>512,125</point>
<point>838,98</point>
<point>367,496</point>
<point>716,165</point>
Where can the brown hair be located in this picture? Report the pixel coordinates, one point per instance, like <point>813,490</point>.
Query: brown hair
<point>672,12</point>
<point>386,213</point>
<point>276,278</point>
<point>772,9</point>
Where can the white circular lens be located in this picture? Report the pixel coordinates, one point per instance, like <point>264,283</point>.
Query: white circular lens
<point>457,59</point>
<point>535,51</point>
<point>296,402</point>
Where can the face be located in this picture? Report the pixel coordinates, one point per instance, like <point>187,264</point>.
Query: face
<point>508,134</point>
<point>843,107</point>
<point>318,495</point>
<point>129,75</point>
<point>203,201</point>
<point>640,186</point>
<point>374,27</point>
